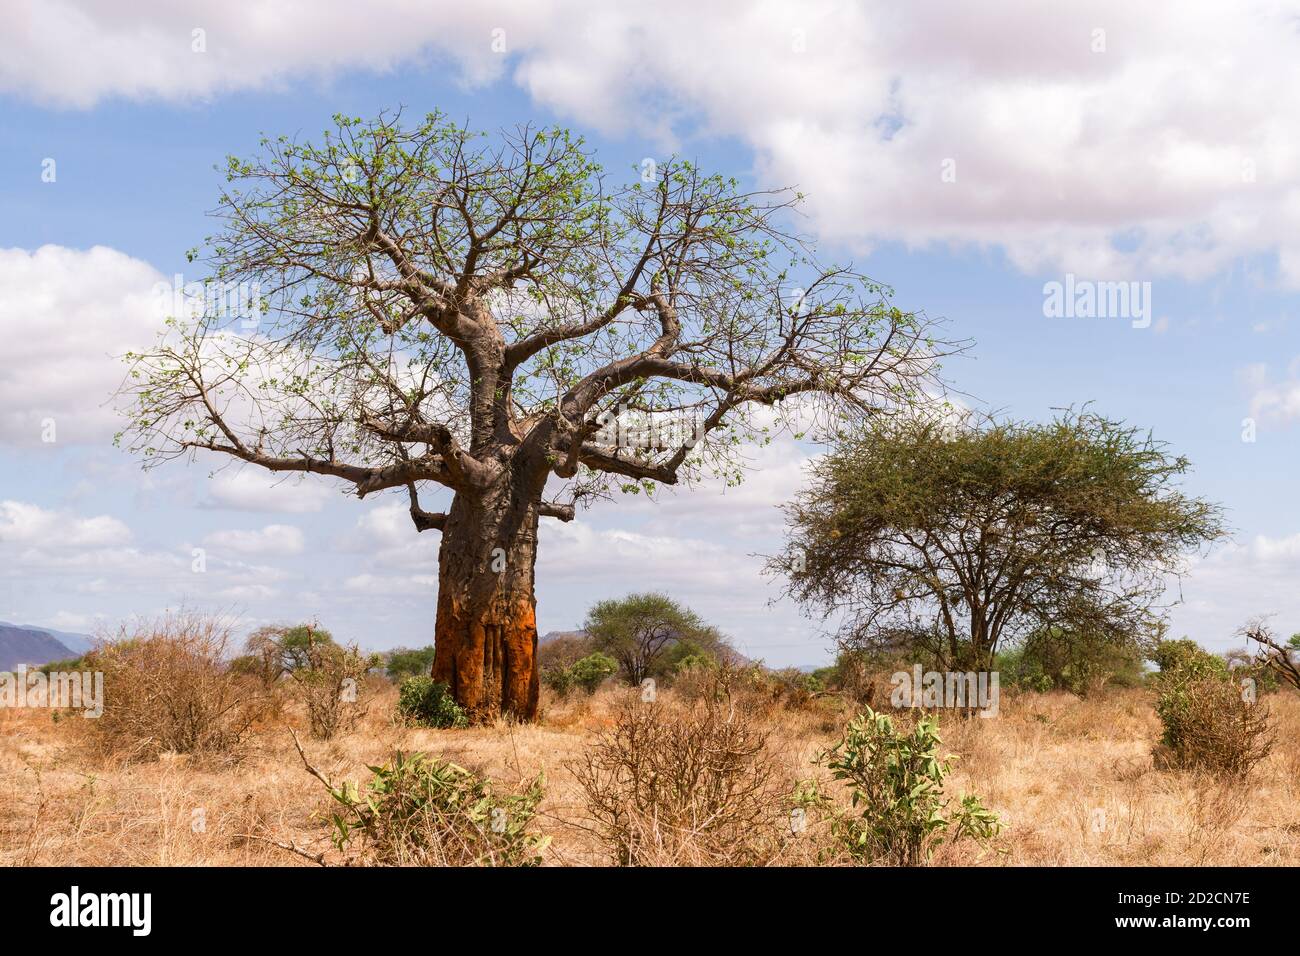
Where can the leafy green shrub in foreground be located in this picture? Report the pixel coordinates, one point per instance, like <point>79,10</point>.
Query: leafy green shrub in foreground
<point>421,811</point>
<point>423,702</point>
<point>899,814</point>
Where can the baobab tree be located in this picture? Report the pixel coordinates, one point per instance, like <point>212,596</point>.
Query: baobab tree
<point>437,307</point>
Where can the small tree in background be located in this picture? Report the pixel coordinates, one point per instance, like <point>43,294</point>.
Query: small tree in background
<point>967,534</point>
<point>407,662</point>
<point>640,630</point>
<point>326,677</point>
<point>330,684</point>
<point>556,659</point>
<point>592,671</point>
<point>1054,658</point>
<point>275,650</point>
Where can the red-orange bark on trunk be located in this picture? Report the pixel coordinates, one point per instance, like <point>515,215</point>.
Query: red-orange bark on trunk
<point>486,656</point>
<point>485,638</point>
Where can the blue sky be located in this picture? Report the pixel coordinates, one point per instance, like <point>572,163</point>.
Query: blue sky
<point>1126,163</point>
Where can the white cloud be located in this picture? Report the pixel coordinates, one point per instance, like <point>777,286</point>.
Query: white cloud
<point>248,592</point>
<point>150,49</point>
<point>1273,399</point>
<point>249,489</point>
<point>752,509</point>
<point>43,551</point>
<point>393,585</point>
<point>277,539</point>
<point>65,317</point>
<point>70,621</point>
<point>1244,579</point>
<point>31,525</point>
<point>1164,147</point>
<point>578,550</point>
<point>386,537</point>
<point>384,526</point>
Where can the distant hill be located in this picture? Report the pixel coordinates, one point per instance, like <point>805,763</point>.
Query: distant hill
<point>76,642</point>
<point>29,645</point>
<point>550,636</point>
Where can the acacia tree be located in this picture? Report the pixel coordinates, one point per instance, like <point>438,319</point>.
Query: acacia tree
<point>962,535</point>
<point>480,314</point>
<point>639,629</point>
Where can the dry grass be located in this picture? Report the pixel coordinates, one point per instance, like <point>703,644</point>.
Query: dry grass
<point>1074,779</point>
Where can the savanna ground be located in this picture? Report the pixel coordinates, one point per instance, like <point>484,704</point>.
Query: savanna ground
<point>1073,779</point>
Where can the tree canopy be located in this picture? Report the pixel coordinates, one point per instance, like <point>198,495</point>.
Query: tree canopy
<point>498,317</point>
<point>961,534</point>
<point>640,631</point>
<point>431,299</point>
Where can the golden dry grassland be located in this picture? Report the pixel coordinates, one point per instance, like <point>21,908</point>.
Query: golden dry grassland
<point>1073,779</point>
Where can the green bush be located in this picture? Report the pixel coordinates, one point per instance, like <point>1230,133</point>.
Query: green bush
<point>683,654</point>
<point>587,673</point>
<point>426,703</point>
<point>1209,722</point>
<point>64,666</point>
<point>592,671</point>
<point>421,811</point>
<point>1022,670</point>
<point>408,662</point>
<point>1187,660</point>
<point>899,814</point>
<point>1079,662</point>
<point>558,679</point>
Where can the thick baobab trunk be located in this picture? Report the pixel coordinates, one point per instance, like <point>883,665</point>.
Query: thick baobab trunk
<point>485,639</point>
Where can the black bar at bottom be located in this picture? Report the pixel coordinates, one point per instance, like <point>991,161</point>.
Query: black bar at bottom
<point>342,906</point>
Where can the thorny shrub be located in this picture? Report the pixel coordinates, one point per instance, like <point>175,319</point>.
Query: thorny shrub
<point>684,784</point>
<point>168,688</point>
<point>1211,719</point>
<point>328,683</point>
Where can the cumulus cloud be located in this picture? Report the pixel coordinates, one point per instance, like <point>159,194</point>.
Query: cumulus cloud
<point>774,473</point>
<point>274,539</point>
<point>27,524</point>
<point>65,315</point>
<point>1113,139</point>
<point>250,489</point>
<point>56,551</point>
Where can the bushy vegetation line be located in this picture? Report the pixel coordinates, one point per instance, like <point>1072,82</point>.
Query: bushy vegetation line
<point>419,810</point>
